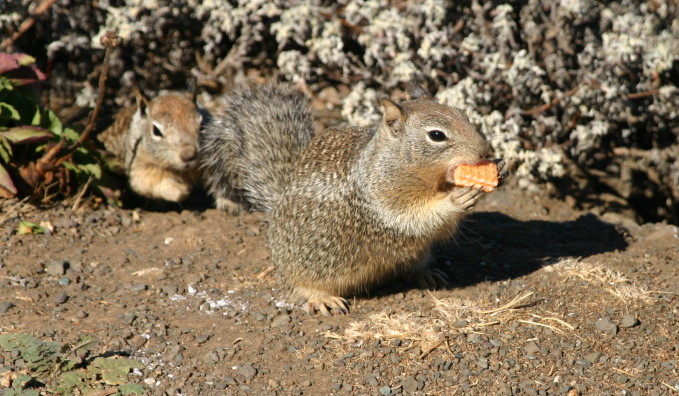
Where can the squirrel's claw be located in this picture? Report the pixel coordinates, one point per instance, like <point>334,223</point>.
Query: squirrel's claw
<point>466,197</point>
<point>502,171</point>
<point>326,305</point>
<point>431,279</point>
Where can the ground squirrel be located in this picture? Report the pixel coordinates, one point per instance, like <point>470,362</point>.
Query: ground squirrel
<point>364,205</point>
<point>250,147</point>
<point>158,143</point>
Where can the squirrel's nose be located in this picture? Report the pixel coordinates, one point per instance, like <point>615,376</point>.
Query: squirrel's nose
<point>187,153</point>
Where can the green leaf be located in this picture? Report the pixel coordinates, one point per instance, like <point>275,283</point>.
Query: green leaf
<point>5,150</point>
<point>84,344</point>
<point>21,392</point>
<point>37,117</point>
<point>25,60</point>
<point>8,112</point>
<point>54,123</point>
<point>12,341</point>
<point>70,134</point>
<point>24,106</point>
<point>92,169</point>
<point>107,363</point>
<point>26,227</point>
<point>70,166</point>
<point>6,182</point>
<point>6,83</point>
<point>114,371</point>
<point>26,134</point>
<point>71,379</point>
<point>21,381</point>
<point>131,389</point>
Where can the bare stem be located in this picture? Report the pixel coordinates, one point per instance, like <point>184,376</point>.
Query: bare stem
<point>110,41</point>
<point>28,23</point>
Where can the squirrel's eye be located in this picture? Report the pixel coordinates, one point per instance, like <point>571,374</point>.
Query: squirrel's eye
<point>157,132</point>
<point>437,136</point>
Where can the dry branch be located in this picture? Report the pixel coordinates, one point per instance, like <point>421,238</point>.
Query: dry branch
<point>28,23</point>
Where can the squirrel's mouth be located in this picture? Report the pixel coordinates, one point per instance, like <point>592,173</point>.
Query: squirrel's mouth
<point>186,165</point>
<point>448,178</point>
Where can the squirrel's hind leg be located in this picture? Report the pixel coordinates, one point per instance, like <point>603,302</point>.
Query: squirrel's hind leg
<point>426,277</point>
<point>430,278</point>
<point>321,301</point>
<point>228,205</point>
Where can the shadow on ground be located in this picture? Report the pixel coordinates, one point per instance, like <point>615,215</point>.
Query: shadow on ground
<point>492,246</point>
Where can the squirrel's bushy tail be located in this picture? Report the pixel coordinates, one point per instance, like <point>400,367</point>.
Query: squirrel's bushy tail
<point>250,147</point>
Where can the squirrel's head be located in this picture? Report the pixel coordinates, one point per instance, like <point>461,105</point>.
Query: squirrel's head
<point>427,132</point>
<point>171,123</point>
<point>418,143</point>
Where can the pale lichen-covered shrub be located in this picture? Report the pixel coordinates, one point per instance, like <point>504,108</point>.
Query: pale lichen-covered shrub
<point>553,84</point>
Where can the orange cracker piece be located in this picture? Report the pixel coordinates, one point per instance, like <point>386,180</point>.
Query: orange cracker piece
<point>482,175</point>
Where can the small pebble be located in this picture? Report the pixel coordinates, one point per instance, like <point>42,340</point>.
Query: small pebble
<point>371,380</point>
<point>247,371</point>
<point>531,348</point>
<point>592,357</point>
<point>385,390</point>
<point>229,380</point>
<point>410,385</point>
<point>61,298</point>
<point>605,325</point>
<point>5,306</point>
<point>201,339</point>
<point>64,281</point>
<point>56,267</point>
<point>280,320</point>
<point>138,341</point>
<point>460,323</point>
<point>629,321</point>
<point>138,287</point>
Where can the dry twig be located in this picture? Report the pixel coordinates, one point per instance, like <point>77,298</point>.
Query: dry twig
<point>28,23</point>
<point>110,40</point>
<point>509,306</point>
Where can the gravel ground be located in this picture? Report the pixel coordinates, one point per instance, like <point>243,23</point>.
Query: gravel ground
<point>545,300</point>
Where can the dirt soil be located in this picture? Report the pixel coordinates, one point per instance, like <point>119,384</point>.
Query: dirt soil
<point>544,300</point>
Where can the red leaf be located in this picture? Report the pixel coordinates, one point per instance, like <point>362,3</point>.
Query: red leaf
<point>7,187</point>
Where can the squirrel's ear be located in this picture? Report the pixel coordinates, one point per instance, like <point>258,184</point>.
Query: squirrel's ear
<point>142,102</point>
<point>416,91</point>
<point>392,113</point>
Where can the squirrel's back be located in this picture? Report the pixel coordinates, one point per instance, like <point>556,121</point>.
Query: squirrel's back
<point>250,147</point>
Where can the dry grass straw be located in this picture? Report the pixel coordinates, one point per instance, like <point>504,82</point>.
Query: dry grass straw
<point>17,206</point>
<point>613,282</point>
<point>434,328</point>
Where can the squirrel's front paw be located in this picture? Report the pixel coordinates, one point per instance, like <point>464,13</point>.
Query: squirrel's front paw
<point>173,191</point>
<point>465,197</point>
<point>159,184</point>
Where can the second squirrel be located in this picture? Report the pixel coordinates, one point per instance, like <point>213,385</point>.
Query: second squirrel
<point>158,142</point>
